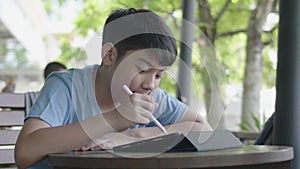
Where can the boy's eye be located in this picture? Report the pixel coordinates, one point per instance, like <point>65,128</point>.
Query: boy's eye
<point>158,76</point>
<point>142,71</point>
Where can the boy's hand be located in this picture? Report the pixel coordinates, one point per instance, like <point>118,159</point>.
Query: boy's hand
<point>109,141</point>
<point>138,108</point>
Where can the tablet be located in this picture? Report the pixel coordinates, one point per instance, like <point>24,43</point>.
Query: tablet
<point>178,142</point>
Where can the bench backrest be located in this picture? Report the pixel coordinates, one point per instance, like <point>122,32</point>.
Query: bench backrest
<point>12,113</point>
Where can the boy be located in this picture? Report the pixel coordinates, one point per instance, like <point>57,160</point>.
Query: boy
<point>80,106</point>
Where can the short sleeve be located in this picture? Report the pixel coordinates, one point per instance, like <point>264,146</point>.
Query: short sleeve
<point>54,104</point>
<point>170,110</point>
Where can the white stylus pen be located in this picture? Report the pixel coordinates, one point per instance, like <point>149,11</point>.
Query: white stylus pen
<point>128,91</point>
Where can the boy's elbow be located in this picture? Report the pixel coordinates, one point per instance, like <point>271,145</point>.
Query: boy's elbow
<point>22,159</point>
<point>21,166</point>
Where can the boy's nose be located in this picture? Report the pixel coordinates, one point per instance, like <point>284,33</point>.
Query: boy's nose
<point>149,83</point>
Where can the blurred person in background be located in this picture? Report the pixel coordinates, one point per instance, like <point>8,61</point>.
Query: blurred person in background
<point>10,85</point>
<point>53,66</point>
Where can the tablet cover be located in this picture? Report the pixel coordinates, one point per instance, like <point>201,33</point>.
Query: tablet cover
<point>178,142</point>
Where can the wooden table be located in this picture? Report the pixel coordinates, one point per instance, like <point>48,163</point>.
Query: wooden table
<point>248,157</point>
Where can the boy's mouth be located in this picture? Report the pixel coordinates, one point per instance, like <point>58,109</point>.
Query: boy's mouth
<point>146,92</point>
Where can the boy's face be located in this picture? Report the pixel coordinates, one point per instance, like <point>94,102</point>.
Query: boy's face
<point>139,70</point>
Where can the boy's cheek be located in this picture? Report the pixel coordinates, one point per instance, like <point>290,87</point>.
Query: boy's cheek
<point>119,79</point>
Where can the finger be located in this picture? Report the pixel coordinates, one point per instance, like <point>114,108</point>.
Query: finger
<point>102,146</point>
<point>139,110</point>
<point>152,103</point>
<point>85,148</point>
<point>147,98</point>
<point>136,98</point>
<point>96,148</point>
<point>149,106</point>
<point>139,100</point>
<point>145,113</point>
<point>155,105</point>
<point>108,146</point>
<point>147,102</point>
<point>143,117</point>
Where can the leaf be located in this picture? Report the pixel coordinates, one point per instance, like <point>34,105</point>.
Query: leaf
<point>256,121</point>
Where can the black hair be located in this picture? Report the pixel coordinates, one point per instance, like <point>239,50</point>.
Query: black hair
<point>133,29</point>
<point>53,66</point>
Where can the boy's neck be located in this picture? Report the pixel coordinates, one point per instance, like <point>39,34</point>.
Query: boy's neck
<point>103,90</point>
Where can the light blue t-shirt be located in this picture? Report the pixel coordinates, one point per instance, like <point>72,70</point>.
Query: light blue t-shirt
<point>69,97</point>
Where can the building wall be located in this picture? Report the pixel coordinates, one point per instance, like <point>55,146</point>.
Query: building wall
<point>28,23</point>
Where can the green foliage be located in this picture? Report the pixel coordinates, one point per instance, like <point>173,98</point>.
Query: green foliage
<point>161,6</point>
<point>196,85</point>
<point>13,55</point>
<point>235,18</point>
<point>269,68</point>
<point>4,49</point>
<point>169,84</point>
<point>229,49</point>
<point>94,12</point>
<point>199,74</point>
<point>232,55</point>
<point>51,7</point>
<point>20,55</point>
<point>48,5</point>
<point>259,125</point>
<point>70,53</point>
<point>91,17</point>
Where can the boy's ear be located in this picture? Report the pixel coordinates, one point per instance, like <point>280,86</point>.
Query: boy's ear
<point>108,53</point>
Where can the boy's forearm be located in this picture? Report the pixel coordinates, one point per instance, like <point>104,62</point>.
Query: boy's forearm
<point>183,127</point>
<point>34,145</point>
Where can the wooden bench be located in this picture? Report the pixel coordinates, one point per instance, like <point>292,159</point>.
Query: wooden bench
<point>12,113</point>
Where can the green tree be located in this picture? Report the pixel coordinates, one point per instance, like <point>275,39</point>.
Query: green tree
<point>235,28</point>
<point>13,55</point>
<point>229,25</point>
<point>254,60</point>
